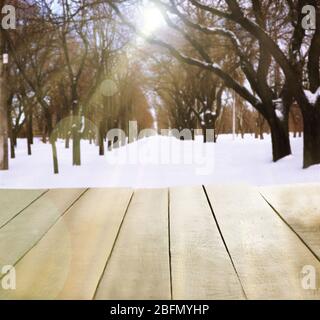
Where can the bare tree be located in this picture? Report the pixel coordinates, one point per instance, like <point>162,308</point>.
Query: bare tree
<point>4,158</point>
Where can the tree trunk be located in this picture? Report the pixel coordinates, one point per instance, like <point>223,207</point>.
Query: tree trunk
<point>29,132</point>
<point>31,127</point>
<point>67,142</point>
<point>76,134</point>
<point>109,145</point>
<point>261,133</point>
<point>12,149</point>
<point>44,135</point>
<point>101,138</point>
<point>29,147</point>
<point>76,151</point>
<point>54,155</point>
<point>311,137</point>
<point>52,140</point>
<point>4,155</point>
<point>280,139</point>
<point>204,134</point>
<point>14,138</point>
<point>215,138</point>
<point>10,132</point>
<point>66,129</point>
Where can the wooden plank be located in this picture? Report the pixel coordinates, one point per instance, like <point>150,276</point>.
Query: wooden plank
<point>69,260</point>
<point>13,202</point>
<point>268,256</point>
<point>299,206</point>
<point>139,264</point>
<point>21,233</point>
<point>201,266</point>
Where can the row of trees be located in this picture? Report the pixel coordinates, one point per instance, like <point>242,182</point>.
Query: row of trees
<point>269,45</point>
<point>68,77</point>
<point>189,97</point>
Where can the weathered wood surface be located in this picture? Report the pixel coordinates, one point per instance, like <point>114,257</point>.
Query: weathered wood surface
<point>201,267</point>
<point>299,206</point>
<point>268,256</point>
<point>161,243</point>
<point>27,228</point>
<point>69,260</point>
<point>139,265</point>
<point>14,201</point>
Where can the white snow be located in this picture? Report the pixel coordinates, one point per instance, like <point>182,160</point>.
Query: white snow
<point>279,109</point>
<point>312,97</point>
<point>159,162</point>
<point>215,66</point>
<point>231,35</point>
<point>279,114</point>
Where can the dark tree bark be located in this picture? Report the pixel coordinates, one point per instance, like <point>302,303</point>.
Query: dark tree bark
<point>204,134</point>
<point>76,145</point>
<point>101,134</point>
<point>52,134</point>
<point>67,141</point>
<point>293,70</point>
<point>66,129</point>
<point>4,155</point>
<point>52,140</point>
<point>109,145</point>
<point>29,131</point>
<point>10,132</point>
<point>280,138</point>
<point>311,138</point>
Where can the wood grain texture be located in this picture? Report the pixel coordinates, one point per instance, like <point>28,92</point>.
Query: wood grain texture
<point>201,267</point>
<point>23,232</point>
<point>139,264</point>
<point>268,256</point>
<point>14,201</point>
<point>68,261</point>
<point>299,206</point>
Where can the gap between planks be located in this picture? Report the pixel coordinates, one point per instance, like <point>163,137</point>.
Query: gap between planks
<point>21,234</point>
<point>68,261</point>
<point>269,257</point>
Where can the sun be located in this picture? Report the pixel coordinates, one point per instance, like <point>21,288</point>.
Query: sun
<point>152,19</point>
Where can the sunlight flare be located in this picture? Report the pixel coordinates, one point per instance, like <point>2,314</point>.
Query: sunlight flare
<point>152,19</point>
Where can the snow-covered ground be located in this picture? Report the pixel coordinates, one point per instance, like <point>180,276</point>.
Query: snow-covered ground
<point>159,162</point>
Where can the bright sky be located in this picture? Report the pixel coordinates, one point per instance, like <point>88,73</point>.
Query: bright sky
<point>152,19</point>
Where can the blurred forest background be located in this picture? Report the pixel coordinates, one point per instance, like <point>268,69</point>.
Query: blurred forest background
<point>78,68</point>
